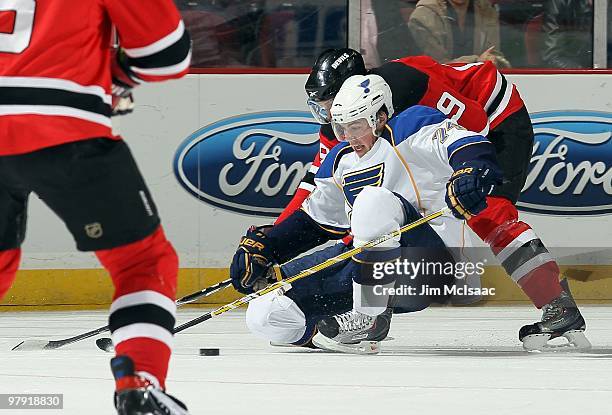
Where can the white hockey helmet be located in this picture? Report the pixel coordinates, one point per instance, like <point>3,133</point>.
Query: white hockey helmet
<point>357,103</point>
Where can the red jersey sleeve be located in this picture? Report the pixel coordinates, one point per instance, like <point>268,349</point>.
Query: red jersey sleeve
<point>153,37</point>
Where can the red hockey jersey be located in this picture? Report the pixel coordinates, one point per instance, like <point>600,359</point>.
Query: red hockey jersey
<point>475,95</point>
<point>480,82</point>
<point>55,70</point>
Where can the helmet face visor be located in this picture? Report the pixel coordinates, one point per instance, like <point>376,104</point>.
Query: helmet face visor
<point>320,110</point>
<point>353,130</point>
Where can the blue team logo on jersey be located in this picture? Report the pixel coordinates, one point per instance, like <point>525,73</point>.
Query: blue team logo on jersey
<point>354,182</point>
<point>249,163</point>
<point>571,164</point>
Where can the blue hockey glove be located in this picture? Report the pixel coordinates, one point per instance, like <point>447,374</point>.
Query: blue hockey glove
<point>252,262</point>
<point>468,187</point>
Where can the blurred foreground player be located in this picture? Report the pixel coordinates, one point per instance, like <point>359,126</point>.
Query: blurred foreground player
<point>478,97</point>
<point>56,141</point>
<point>383,175</point>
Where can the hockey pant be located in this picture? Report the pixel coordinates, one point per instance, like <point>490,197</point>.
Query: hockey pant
<point>95,187</point>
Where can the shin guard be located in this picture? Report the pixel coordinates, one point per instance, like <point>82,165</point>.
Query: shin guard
<point>520,251</point>
<point>142,314</point>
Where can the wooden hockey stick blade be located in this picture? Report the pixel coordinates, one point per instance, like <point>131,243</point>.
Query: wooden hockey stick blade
<point>35,344</point>
<point>31,344</point>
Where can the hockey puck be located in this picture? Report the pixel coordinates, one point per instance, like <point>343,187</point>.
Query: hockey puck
<point>209,352</point>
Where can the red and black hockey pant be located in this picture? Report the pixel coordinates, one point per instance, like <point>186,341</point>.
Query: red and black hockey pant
<point>95,187</point>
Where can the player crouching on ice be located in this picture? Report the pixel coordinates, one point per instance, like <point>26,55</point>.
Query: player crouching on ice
<point>387,172</point>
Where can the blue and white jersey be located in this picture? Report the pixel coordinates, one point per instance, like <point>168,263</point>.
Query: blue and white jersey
<point>414,158</point>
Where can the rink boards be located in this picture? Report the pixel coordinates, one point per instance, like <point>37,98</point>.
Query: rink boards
<point>192,139</point>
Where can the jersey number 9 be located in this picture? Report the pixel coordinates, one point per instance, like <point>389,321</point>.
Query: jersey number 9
<point>448,105</point>
<point>19,39</point>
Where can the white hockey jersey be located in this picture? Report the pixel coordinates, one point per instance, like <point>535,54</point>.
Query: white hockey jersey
<point>412,159</point>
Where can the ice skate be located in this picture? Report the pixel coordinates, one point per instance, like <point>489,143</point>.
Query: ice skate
<point>307,344</point>
<point>560,318</point>
<point>137,396</point>
<point>353,332</point>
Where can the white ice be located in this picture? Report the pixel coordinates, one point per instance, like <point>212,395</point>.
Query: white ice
<point>442,361</point>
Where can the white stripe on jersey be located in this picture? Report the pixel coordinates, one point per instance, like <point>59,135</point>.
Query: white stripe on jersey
<point>306,186</point>
<point>144,297</point>
<point>504,102</point>
<point>466,66</point>
<point>313,169</point>
<point>55,83</point>
<point>159,45</point>
<point>165,70</point>
<point>485,130</point>
<point>55,110</point>
<point>498,84</point>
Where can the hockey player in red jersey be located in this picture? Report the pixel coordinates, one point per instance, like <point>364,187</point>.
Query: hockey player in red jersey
<point>57,80</point>
<point>478,97</point>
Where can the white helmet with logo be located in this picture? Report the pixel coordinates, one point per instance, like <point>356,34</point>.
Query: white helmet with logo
<point>357,103</point>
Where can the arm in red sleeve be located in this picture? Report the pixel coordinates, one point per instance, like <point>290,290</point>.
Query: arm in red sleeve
<point>156,44</point>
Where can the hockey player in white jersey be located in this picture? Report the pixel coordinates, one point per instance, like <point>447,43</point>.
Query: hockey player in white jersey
<point>386,173</point>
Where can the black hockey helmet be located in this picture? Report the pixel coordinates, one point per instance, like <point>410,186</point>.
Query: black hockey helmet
<point>332,68</point>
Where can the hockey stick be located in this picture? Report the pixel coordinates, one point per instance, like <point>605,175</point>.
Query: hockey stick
<point>34,344</point>
<point>282,286</point>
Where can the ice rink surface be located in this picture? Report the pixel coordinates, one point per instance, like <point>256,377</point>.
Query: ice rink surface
<point>441,361</point>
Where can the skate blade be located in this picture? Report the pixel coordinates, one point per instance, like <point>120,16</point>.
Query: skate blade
<point>279,344</point>
<point>364,347</point>
<point>576,342</point>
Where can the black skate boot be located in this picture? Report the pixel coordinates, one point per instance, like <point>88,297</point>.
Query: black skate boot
<point>353,332</point>
<point>137,396</point>
<point>560,318</point>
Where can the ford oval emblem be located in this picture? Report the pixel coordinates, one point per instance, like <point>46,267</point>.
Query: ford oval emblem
<point>250,163</point>
<point>571,164</point>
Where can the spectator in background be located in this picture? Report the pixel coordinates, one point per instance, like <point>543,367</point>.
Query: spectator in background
<point>384,31</point>
<point>568,34</point>
<point>215,42</point>
<point>225,32</point>
<point>457,31</point>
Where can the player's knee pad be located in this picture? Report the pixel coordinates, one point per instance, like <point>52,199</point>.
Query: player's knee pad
<point>376,211</point>
<point>276,318</point>
<point>148,264</point>
<point>9,263</point>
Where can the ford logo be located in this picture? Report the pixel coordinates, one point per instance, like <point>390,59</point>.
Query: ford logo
<point>249,163</point>
<point>571,164</point>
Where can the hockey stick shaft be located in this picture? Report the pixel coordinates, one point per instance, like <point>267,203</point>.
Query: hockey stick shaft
<point>309,271</point>
<point>54,344</point>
